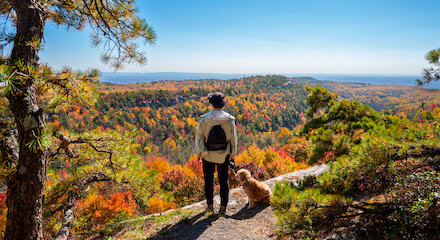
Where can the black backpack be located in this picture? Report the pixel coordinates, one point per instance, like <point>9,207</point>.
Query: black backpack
<point>216,139</point>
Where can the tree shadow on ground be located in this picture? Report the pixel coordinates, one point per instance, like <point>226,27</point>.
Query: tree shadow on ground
<point>245,213</point>
<point>187,228</point>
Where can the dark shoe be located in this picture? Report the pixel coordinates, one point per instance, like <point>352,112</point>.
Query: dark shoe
<point>222,211</point>
<point>209,209</point>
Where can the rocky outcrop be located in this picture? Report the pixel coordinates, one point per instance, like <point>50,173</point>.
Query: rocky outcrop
<point>239,222</point>
<point>238,193</point>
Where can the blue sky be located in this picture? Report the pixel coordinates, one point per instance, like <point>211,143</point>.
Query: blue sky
<point>271,36</point>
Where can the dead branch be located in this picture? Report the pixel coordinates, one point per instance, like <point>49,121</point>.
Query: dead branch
<point>358,209</point>
<point>68,218</point>
<point>65,143</point>
<point>426,151</point>
<point>69,207</point>
<point>361,206</point>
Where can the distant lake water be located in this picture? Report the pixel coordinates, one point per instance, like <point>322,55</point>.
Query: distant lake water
<point>130,78</point>
<point>375,79</point>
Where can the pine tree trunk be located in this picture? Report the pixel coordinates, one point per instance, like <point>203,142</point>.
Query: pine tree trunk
<point>25,188</point>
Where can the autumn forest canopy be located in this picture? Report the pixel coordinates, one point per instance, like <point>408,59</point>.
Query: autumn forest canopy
<point>132,145</point>
<point>78,157</point>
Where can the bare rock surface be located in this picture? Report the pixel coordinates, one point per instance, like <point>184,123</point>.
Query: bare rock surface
<point>239,223</point>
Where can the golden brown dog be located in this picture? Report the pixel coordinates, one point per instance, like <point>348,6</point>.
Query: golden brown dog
<point>255,190</point>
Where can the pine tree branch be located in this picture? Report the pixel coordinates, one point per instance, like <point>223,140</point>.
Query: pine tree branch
<point>66,142</point>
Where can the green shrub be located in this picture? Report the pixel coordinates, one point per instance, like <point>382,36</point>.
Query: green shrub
<point>389,165</point>
<point>299,212</point>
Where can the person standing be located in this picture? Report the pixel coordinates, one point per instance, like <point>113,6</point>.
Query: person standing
<point>216,146</point>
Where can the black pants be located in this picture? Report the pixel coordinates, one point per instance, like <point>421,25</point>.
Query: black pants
<point>223,177</point>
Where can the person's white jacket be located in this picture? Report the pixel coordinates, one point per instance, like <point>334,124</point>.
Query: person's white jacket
<point>209,120</point>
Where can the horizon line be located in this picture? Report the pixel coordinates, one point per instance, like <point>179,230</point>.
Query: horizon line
<point>336,74</point>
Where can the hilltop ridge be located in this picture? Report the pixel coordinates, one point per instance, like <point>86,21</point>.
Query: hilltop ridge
<point>380,79</point>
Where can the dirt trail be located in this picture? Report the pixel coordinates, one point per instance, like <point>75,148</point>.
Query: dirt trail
<point>239,222</point>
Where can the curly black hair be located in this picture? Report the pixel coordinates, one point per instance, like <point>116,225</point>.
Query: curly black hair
<point>217,99</point>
